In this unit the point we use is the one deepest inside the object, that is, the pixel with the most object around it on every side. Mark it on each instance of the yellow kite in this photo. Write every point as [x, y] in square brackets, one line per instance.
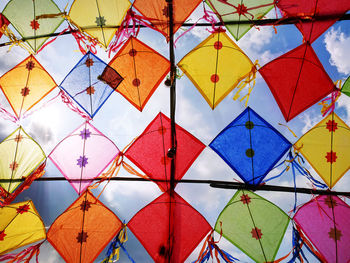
[327, 148]
[99, 18]
[20, 155]
[20, 225]
[26, 84]
[216, 67]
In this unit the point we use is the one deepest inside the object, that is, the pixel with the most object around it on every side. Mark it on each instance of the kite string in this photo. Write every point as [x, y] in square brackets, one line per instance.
[328, 104]
[71, 105]
[7, 115]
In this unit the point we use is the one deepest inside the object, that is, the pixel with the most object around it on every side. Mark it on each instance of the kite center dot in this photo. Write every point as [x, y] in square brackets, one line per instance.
[132, 52]
[218, 45]
[249, 125]
[249, 152]
[136, 82]
[214, 78]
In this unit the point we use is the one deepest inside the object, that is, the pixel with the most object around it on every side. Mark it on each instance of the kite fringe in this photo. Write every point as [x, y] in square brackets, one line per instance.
[248, 80]
[25, 255]
[328, 104]
[113, 250]
[7, 115]
[71, 105]
[211, 249]
[6, 198]
[5, 30]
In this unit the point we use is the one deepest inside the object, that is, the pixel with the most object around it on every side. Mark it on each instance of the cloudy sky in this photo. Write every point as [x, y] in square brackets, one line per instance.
[121, 122]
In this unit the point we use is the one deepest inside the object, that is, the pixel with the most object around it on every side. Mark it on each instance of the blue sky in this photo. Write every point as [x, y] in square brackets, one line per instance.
[121, 122]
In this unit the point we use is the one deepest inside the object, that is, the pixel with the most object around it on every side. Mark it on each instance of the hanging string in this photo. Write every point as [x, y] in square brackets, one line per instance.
[328, 104]
[25, 255]
[72, 106]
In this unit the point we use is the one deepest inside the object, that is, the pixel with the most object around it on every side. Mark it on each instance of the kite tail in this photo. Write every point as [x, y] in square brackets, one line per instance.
[248, 80]
[211, 249]
[6, 198]
[7, 115]
[71, 105]
[112, 254]
[328, 104]
[24, 256]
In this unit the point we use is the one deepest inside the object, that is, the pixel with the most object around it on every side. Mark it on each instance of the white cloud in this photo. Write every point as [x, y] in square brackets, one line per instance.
[344, 102]
[337, 44]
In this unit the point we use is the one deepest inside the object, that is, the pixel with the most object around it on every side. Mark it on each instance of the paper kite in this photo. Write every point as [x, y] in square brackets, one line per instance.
[346, 87]
[25, 85]
[20, 156]
[99, 19]
[250, 146]
[238, 10]
[83, 230]
[326, 147]
[325, 222]
[297, 80]
[90, 83]
[20, 225]
[142, 69]
[310, 9]
[83, 155]
[169, 228]
[253, 224]
[226, 67]
[149, 151]
[156, 11]
[25, 16]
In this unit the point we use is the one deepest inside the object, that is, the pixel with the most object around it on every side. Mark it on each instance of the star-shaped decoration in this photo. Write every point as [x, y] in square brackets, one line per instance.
[331, 157]
[89, 62]
[2, 235]
[23, 209]
[85, 205]
[34, 24]
[256, 233]
[18, 138]
[335, 234]
[85, 133]
[82, 236]
[241, 9]
[245, 199]
[30, 65]
[82, 161]
[100, 21]
[25, 91]
[13, 166]
[90, 90]
[165, 11]
[331, 125]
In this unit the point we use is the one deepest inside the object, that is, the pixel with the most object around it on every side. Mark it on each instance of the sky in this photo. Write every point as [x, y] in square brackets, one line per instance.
[121, 122]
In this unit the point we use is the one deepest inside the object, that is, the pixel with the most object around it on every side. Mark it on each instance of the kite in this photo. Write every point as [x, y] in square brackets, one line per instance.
[99, 19]
[90, 83]
[253, 224]
[149, 151]
[25, 16]
[83, 155]
[83, 230]
[20, 225]
[309, 9]
[3, 24]
[156, 11]
[250, 146]
[325, 222]
[237, 10]
[220, 73]
[25, 85]
[297, 80]
[169, 228]
[20, 156]
[142, 69]
[346, 87]
[326, 147]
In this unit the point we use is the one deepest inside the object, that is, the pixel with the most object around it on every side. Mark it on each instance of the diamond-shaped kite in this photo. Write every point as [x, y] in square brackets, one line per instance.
[326, 146]
[26, 84]
[83, 230]
[346, 87]
[250, 146]
[238, 10]
[225, 67]
[142, 69]
[253, 224]
[325, 222]
[90, 83]
[297, 80]
[149, 151]
[312, 29]
[83, 155]
[99, 19]
[169, 228]
[20, 155]
[24, 15]
[20, 225]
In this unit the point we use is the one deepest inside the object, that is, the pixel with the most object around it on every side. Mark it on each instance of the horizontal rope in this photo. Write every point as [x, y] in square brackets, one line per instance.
[212, 183]
[262, 22]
